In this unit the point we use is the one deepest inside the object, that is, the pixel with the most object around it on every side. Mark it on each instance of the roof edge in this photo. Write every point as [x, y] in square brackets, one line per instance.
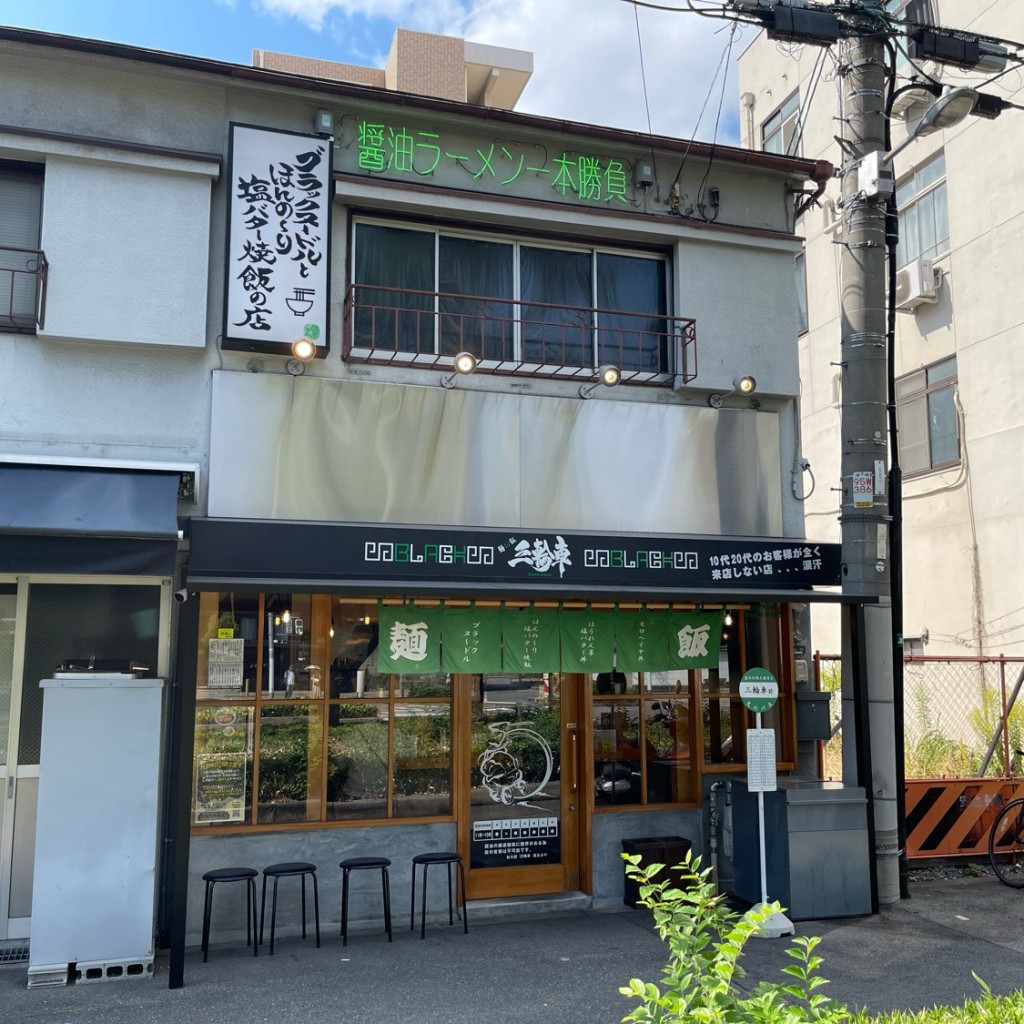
[816, 170]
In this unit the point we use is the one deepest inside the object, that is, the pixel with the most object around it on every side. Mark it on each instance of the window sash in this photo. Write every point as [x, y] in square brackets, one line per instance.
[929, 428]
[630, 288]
[923, 212]
[778, 130]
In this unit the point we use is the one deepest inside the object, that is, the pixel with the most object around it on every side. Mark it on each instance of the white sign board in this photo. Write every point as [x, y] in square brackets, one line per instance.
[863, 489]
[761, 777]
[278, 237]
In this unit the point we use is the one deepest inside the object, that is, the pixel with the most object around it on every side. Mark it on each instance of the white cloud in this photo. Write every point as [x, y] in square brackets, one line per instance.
[586, 55]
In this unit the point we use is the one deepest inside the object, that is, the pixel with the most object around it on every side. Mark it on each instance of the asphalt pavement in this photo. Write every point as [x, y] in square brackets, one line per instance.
[566, 968]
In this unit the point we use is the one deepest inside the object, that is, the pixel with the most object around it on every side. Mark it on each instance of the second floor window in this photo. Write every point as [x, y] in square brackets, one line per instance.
[928, 422]
[924, 218]
[424, 292]
[779, 131]
[21, 198]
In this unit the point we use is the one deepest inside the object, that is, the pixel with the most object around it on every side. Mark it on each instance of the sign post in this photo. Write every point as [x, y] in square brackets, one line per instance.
[759, 691]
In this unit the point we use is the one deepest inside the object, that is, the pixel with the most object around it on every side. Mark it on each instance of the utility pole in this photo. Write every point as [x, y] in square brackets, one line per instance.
[870, 514]
[865, 514]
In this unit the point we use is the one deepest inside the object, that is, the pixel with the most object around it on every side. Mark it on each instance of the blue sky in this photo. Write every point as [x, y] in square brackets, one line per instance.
[586, 52]
[205, 28]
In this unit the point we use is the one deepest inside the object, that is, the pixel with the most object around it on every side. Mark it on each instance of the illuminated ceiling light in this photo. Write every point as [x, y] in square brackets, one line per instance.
[607, 376]
[728, 618]
[286, 616]
[464, 363]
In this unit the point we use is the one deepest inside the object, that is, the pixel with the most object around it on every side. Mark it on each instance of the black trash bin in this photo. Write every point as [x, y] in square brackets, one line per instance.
[667, 850]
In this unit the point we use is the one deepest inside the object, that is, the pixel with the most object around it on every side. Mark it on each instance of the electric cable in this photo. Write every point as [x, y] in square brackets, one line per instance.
[700, 116]
[714, 136]
[643, 81]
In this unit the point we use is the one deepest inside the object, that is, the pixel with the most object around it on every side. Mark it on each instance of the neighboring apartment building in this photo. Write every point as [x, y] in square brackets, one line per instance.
[405, 608]
[959, 334]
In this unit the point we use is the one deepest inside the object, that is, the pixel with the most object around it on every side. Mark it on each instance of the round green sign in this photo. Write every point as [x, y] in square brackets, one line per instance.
[758, 689]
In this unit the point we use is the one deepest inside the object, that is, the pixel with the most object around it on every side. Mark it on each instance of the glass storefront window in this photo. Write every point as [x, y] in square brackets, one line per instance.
[229, 639]
[422, 764]
[295, 724]
[642, 747]
[222, 780]
[357, 761]
[290, 762]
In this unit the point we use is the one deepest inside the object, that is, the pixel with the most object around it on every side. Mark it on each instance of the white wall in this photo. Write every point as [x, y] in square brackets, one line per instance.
[128, 249]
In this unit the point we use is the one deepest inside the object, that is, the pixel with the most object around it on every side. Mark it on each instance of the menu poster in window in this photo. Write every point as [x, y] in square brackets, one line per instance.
[511, 842]
[225, 669]
[219, 788]
[278, 238]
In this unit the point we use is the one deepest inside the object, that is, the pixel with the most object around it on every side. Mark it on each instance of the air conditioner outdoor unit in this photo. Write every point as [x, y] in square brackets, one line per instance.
[916, 283]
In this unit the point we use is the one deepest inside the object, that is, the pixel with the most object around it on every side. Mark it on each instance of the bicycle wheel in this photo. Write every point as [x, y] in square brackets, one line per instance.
[1006, 845]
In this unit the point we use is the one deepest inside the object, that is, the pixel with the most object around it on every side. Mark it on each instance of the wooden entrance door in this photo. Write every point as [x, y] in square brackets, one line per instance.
[520, 796]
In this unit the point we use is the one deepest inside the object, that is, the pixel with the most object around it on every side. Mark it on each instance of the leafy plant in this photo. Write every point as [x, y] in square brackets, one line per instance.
[706, 940]
[932, 755]
[987, 1009]
[985, 723]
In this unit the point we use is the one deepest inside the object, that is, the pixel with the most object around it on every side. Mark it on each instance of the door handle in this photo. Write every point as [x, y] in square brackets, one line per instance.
[573, 761]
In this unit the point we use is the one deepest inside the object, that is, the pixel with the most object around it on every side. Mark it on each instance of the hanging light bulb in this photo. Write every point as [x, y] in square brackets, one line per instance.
[286, 616]
[728, 618]
[330, 632]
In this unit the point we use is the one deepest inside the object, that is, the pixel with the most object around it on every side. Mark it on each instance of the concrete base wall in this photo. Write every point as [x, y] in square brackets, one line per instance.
[325, 848]
[608, 831]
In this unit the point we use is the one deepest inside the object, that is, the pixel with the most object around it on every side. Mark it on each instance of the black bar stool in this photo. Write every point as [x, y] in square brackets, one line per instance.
[448, 859]
[365, 864]
[289, 869]
[247, 875]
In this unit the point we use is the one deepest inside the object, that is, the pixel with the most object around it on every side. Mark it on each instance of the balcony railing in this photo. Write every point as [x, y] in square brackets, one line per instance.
[22, 289]
[405, 327]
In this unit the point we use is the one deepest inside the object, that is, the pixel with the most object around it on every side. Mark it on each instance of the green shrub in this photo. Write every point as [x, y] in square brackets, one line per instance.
[706, 940]
[988, 1009]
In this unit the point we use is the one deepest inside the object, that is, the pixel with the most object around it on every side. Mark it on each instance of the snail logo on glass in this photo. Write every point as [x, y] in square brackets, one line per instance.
[502, 770]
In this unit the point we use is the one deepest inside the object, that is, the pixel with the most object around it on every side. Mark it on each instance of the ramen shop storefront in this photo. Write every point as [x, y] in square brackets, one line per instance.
[526, 699]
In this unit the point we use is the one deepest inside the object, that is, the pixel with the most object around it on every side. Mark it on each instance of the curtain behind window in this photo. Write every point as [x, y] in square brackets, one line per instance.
[631, 334]
[560, 337]
[394, 320]
[473, 276]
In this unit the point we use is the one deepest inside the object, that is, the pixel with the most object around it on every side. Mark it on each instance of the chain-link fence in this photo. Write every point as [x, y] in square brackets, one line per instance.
[962, 716]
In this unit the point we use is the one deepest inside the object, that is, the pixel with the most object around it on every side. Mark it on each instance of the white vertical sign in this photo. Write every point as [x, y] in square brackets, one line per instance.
[278, 237]
[761, 774]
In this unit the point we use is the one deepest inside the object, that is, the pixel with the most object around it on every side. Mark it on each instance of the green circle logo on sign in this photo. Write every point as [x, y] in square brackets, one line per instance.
[758, 690]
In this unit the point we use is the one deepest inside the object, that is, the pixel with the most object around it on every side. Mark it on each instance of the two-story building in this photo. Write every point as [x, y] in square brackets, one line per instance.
[480, 569]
